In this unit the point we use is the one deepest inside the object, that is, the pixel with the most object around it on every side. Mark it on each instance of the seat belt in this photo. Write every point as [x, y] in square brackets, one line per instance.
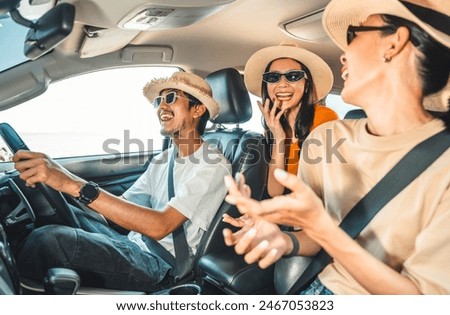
[182, 262]
[183, 259]
[404, 172]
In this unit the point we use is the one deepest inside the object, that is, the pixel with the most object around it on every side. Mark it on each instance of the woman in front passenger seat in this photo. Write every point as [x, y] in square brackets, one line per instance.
[396, 55]
[291, 82]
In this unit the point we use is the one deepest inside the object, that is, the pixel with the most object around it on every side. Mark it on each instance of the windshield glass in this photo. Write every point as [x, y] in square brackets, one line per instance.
[12, 34]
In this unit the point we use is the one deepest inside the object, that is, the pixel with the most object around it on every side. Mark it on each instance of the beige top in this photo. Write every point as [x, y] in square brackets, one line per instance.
[412, 232]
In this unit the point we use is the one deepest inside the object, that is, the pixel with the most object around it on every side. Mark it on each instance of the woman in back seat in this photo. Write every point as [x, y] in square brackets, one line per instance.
[291, 81]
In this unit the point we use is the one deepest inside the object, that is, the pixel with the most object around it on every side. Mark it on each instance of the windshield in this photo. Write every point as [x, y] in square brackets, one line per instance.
[12, 34]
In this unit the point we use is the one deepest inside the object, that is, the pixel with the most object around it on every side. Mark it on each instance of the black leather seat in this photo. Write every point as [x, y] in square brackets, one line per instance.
[247, 152]
[355, 114]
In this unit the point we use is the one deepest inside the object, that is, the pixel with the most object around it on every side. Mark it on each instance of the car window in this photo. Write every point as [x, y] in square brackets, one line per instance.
[11, 49]
[103, 112]
[335, 102]
[255, 122]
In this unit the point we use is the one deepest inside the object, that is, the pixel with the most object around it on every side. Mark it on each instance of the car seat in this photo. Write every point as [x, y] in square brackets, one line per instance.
[248, 152]
[355, 114]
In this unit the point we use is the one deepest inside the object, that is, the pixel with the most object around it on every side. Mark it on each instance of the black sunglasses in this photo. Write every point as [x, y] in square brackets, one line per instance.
[291, 76]
[351, 30]
[169, 98]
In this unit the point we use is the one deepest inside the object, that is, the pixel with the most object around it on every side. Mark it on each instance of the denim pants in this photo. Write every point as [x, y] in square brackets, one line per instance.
[316, 288]
[102, 257]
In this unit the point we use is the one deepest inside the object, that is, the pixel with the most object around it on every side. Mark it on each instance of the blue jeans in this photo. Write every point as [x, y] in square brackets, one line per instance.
[316, 288]
[103, 257]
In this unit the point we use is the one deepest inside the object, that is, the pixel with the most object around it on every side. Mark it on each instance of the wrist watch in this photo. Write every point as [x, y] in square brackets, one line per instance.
[88, 193]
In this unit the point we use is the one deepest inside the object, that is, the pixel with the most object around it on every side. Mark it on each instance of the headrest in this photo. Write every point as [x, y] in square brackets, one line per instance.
[229, 91]
[355, 114]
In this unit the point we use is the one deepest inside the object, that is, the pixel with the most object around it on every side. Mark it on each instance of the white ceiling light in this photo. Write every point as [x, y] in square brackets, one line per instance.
[147, 18]
[170, 14]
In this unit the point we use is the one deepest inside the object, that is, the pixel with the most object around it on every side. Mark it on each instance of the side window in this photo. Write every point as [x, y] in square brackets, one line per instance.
[335, 102]
[103, 112]
[255, 123]
[5, 152]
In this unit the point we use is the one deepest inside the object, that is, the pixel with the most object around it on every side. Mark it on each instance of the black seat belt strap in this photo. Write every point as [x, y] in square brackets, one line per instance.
[404, 172]
[182, 262]
[183, 259]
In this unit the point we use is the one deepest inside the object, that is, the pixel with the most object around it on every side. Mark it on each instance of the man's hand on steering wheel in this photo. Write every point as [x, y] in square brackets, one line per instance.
[35, 167]
[54, 197]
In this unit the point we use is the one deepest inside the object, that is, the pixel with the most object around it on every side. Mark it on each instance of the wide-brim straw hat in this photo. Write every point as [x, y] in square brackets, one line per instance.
[257, 64]
[433, 16]
[189, 83]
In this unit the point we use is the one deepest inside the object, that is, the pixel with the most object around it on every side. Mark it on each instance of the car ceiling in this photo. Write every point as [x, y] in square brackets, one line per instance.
[226, 37]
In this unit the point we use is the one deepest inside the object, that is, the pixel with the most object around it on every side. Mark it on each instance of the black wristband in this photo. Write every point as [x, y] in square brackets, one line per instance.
[295, 245]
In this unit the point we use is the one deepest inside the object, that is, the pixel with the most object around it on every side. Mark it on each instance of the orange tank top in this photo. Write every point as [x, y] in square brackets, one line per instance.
[322, 114]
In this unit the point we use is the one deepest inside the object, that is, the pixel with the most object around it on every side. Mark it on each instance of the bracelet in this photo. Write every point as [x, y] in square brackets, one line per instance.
[295, 245]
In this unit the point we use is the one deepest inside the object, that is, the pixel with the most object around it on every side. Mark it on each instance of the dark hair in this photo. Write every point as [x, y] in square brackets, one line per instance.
[204, 118]
[434, 62]
[305, 115]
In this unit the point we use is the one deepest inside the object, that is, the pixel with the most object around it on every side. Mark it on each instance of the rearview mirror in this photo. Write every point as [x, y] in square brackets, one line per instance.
[8, 5]
[49, 30]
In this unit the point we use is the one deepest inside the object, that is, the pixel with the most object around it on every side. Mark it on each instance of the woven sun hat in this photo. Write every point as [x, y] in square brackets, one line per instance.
[433, 16]
[187, 82]
[257, 64]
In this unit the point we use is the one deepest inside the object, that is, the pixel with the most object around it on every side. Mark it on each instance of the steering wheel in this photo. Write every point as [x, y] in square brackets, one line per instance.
[55, 198]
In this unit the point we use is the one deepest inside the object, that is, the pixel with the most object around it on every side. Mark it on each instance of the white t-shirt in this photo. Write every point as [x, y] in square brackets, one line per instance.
[199, 191]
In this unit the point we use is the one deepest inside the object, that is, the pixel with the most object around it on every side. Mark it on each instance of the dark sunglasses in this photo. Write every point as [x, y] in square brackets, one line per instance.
[351, 30]
[291, 76]
[169, 98]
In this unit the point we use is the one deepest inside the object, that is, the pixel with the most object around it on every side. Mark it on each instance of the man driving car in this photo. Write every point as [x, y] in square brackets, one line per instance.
[102, 256]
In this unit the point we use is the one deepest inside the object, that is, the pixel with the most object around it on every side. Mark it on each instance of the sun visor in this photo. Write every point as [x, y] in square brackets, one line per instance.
[21, 85]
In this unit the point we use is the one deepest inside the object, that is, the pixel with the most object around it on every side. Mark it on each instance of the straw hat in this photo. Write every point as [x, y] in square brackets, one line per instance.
[188, 83]
[257, 64]
[433, 16]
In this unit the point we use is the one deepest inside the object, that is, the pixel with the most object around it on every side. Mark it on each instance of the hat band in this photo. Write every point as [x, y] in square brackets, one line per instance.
[436, 19]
